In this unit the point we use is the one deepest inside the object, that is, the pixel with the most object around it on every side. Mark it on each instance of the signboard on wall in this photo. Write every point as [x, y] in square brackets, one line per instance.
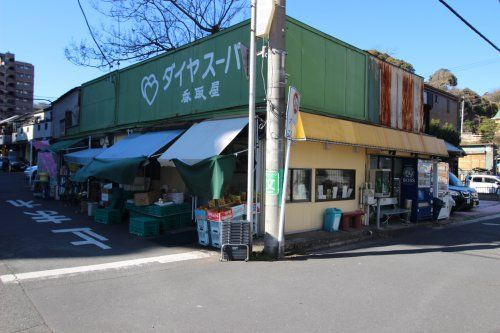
[205, 76]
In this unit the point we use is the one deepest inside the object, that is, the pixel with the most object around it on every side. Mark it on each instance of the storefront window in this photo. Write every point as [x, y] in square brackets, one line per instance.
[299, 185]
[385, 163]
[335, 184]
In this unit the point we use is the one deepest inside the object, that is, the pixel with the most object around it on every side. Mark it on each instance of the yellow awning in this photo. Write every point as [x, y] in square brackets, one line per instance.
[338, 131]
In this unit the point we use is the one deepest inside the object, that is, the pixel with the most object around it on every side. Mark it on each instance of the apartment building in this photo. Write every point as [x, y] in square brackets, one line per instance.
[16, 86]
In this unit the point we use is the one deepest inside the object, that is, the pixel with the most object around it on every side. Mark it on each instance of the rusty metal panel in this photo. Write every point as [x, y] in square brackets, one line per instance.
[418, 106]
[401, 95]
[395, 94]
[407, 102]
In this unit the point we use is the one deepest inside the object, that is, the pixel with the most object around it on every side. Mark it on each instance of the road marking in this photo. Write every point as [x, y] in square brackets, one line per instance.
[494, 224]
[22, 203]
[87, 234]
[57, 273]
[47, 216]
[458, 224]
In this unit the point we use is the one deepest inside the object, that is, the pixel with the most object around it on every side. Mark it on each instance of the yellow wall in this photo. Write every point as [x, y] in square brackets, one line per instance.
[309, 215]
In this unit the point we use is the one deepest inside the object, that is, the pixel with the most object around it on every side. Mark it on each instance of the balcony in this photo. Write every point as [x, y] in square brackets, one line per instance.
[19, 137]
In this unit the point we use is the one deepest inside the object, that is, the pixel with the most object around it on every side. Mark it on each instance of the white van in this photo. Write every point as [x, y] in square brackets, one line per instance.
[485, 183]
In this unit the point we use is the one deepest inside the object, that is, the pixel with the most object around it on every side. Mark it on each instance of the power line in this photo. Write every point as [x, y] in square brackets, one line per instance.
[480, 63]
[469, 25]
[92, 34]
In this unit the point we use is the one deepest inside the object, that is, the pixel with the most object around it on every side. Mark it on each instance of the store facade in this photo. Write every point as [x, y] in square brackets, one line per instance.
[354, 108]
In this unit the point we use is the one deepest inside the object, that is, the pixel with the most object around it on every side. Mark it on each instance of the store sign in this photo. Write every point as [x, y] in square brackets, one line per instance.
[272, 182]
[196, 78]
[409, 175]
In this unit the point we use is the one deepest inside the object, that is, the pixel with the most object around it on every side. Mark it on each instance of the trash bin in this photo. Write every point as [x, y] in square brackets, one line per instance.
[331, 219]
[437, 204]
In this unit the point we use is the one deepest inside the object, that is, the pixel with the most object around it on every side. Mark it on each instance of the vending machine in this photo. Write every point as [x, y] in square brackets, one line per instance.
[416, 185]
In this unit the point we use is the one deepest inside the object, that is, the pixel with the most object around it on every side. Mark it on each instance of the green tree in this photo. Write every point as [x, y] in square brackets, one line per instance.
[446, 132]
[443, 79]
[487, 128]
[397, 62]
[493, 96]
[470, 126]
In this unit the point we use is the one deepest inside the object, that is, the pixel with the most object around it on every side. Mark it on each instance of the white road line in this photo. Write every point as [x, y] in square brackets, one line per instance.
[56, 273]
[458, 224]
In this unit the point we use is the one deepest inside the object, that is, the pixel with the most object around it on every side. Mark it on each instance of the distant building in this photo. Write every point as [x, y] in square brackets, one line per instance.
[16, 86]
[496, 118]
[65, 112]
[480, 158]
[441, 105]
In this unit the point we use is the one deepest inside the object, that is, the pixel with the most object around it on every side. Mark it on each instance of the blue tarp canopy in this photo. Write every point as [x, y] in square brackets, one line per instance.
[119, 163]
[83, 157]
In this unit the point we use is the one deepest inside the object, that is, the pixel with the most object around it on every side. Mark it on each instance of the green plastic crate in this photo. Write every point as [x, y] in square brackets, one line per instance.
[108, 216]
[169, 223]
[185, 220]
[144, 226]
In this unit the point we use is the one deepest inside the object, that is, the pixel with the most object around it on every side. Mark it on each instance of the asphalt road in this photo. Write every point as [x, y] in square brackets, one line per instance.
[444, 279]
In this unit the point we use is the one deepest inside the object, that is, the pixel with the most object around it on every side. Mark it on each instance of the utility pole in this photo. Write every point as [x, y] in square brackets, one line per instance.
[251, 114]
[276, 82]
[462, 117]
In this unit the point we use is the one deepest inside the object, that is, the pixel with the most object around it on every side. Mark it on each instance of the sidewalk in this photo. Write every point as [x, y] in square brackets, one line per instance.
[315, 240]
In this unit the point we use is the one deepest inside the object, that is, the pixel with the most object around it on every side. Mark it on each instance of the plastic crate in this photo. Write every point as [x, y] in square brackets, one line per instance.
[108, 216]
[168, 223]
[200, 214]
[167, 209]
[215, 243]
[202, 225]
[144, 226]
[215, 227]
[184, 220]
[203, 238]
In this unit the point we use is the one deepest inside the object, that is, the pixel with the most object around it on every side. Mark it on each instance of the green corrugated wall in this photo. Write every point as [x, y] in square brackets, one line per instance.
[330, 75]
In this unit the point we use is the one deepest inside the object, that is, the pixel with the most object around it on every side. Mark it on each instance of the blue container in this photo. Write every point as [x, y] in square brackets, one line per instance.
[331, 219]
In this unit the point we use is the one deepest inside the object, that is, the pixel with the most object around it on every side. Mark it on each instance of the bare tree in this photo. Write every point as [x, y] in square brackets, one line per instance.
[132, 30]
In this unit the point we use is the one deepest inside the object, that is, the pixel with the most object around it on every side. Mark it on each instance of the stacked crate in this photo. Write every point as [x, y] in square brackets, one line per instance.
[169, 217]
[202, 227]
[144, 226]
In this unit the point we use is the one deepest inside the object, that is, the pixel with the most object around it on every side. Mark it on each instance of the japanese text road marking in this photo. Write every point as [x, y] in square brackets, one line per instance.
[88, 235]
[22, 203]
[47, 216]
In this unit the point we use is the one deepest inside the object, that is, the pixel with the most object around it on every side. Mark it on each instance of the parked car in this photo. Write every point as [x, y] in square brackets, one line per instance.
[465, 197]
[31, 172]
[485, 183]
[14, 163]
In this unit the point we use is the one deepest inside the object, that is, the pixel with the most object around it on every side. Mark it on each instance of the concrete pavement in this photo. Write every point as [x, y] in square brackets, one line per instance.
[435, 279]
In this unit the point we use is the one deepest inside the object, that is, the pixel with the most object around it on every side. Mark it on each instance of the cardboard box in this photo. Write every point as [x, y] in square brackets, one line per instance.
[146, 198]
[140, 184]
[200, 214]
[219, 215]
[105, 197]
[238, 210]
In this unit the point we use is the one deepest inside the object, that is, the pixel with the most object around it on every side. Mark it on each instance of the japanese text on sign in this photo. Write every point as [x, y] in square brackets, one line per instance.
[206, 68]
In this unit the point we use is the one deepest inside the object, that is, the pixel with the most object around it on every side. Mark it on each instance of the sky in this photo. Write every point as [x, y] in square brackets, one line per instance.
[422, 32]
